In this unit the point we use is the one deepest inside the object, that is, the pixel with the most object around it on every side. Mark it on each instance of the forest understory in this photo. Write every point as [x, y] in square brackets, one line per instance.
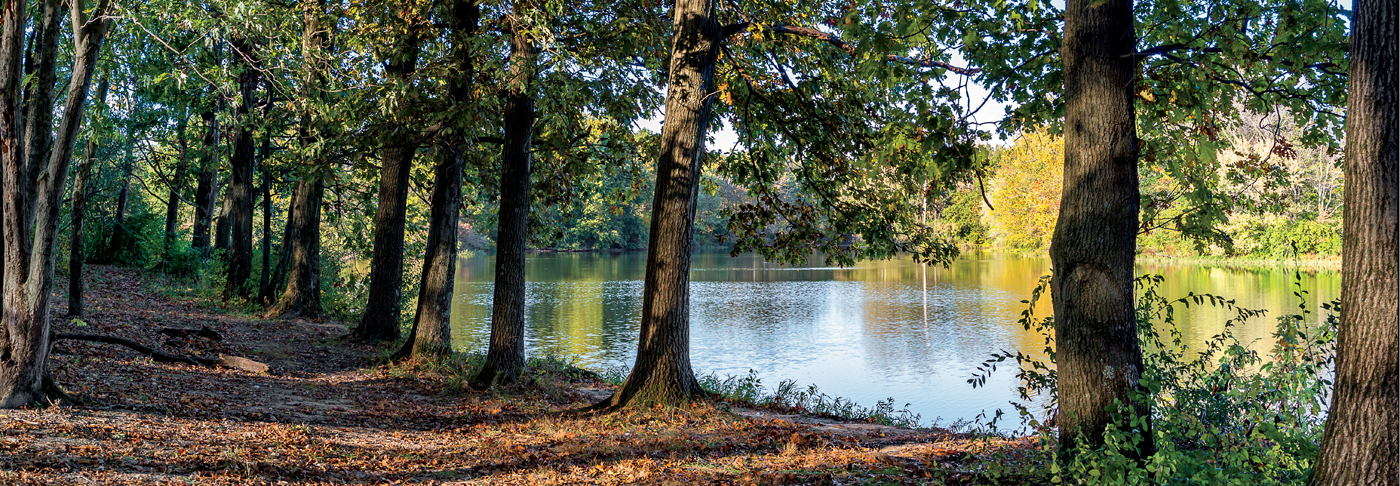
[328, 412]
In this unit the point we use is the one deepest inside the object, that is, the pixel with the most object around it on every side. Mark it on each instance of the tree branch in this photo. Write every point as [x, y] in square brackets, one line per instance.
[736, 28]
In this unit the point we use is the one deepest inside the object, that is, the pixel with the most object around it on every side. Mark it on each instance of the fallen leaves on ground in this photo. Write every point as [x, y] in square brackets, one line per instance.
[325, 415]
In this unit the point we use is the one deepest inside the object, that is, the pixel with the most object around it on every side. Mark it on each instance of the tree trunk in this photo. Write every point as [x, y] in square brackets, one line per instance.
[302, 241]
[29, 257]
[80, 198]
[432, 321]
[269, 292]
[118, 239]
[1361, 444]
[264, 276]
[240, 186]
[1097, 353]
[38, 110]
[221, 223]
[23, 327]
[662, 372]
[207, 188]
[302, 298]
[172, 203]
[381, 319]
[505, 356]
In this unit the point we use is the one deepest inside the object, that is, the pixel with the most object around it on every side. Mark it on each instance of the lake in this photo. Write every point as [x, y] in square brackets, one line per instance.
[880, 329]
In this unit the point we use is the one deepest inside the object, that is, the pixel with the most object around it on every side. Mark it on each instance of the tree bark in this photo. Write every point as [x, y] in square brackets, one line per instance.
[207, 188]
[302, 241]
[29, 257]
[23, 327]
[432, 321]
[80, 198]
[239, 216]
[1098, 358]
[221, 223]
[381, 319]
[302, 298]
[38, 110]
[265, 275]
[1361, 444]
[275, 283]
[172, 203]
[662, 373]
[118, 239]
[505, 356]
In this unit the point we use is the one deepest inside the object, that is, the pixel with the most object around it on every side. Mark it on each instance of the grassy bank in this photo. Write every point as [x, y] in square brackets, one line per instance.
[1307, 263]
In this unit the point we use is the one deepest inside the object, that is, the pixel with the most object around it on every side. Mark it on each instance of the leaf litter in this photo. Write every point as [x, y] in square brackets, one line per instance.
[326, 414]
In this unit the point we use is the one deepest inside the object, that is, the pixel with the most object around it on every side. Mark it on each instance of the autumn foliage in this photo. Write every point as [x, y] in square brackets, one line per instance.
[1027, 191]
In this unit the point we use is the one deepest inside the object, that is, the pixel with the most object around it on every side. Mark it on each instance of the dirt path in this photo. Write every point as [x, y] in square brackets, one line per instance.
[325, 415]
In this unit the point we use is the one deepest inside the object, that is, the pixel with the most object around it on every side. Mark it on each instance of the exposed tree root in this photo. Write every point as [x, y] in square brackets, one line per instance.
[159, 357]
[55, 395]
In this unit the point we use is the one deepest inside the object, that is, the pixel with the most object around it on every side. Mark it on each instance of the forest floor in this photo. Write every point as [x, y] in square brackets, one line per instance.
[326, 413]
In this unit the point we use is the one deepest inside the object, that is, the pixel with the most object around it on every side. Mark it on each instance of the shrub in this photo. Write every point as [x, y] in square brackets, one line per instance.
[788, 396]
[965, 217]
[1279, 238]
[181, 260]
[1220, 415]
[135, 242]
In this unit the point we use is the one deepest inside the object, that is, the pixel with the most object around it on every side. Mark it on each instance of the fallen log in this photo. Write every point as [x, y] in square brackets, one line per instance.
[226, 361]
[244, 364]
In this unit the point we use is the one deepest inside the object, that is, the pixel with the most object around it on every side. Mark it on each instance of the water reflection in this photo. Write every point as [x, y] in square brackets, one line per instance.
[880, 329]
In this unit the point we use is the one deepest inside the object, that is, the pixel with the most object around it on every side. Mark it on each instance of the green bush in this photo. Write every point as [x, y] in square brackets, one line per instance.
[965, 217]
[135, 242]
[1221, 414]
[181, 260]
[1281, 239]
[344, 289]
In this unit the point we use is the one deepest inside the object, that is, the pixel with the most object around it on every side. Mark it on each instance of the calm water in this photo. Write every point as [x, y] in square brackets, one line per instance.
[880, 329]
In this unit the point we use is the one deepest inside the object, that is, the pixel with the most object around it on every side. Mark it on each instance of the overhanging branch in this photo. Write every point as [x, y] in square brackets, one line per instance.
[836, 41]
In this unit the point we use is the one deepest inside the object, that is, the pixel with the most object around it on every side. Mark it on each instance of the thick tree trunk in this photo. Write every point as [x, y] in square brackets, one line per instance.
[23, 326]
[80, 198]
[432, 321]
[302, 241]
[381, 319]
[240, 186]
[302, 298]
[207, 188]
[662, 372]
[29, 257]
[1361, 444]
[505, 356]
[1097, 352]
[38, 110]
